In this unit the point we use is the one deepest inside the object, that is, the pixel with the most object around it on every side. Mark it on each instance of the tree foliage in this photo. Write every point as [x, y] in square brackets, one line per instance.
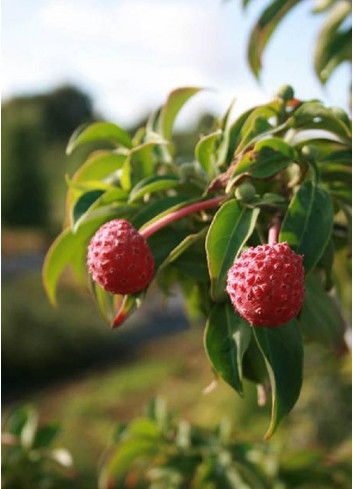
[296, 154]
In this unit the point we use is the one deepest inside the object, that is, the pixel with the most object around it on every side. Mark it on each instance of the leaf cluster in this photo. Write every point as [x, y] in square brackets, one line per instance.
[162, 451]
[30, 457]
[296, 156]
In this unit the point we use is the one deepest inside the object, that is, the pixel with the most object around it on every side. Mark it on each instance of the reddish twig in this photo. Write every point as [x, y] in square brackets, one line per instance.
[184, 211]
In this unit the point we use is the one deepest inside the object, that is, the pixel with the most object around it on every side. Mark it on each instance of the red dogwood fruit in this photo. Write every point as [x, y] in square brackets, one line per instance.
[266, 284]
[120, 259]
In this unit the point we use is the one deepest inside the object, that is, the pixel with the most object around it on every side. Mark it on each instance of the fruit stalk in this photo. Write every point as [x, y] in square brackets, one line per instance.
[273, 233]
[184, 211]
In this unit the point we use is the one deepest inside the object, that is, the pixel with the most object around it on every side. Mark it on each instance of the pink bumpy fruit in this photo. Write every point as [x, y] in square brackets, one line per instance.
[266, 284]
[119, 258]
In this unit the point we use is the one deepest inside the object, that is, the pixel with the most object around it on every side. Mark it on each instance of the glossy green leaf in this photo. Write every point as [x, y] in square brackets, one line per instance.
[313, 115]
[153, 184]
[171, 108]
[140, 163]
[264, 29]
[266, 159]
[192, 263]
[105, 301]
[223, 145]
[227, 337]
[334, 43]
[99, 131]
[235, 133]
[259, 123]
[99, 165]
[282, 349]
[163, 242]
[269, 199]
[308, 223]
[254, 366]
[320, 317]
[84, 203]
[205, 152]
[184, 245]
[231, 227]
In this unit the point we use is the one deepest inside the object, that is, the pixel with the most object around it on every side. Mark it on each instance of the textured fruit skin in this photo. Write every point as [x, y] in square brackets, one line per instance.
[119, 258]
[266, 284]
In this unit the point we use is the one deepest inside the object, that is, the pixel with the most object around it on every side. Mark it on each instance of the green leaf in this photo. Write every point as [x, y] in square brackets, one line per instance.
[334, 44]
[171, 108]
[313, 115]
[140, 163]
[266, 159]
[269, 199]
[205, 153]
[46, 435]
[235, 133]
[184, 245]
[99, 165]
[227, 337]
[320, 317]
[163, 242]
[18, 419]
[229, 231]
[282, 349]
[264, 29]
[99, 131]
[307, 225]
[144, 427]
[83, 204]
[124, 456]
[254, 367]
[258, 125]
[224, 125]
[153, 184]
[106, 302]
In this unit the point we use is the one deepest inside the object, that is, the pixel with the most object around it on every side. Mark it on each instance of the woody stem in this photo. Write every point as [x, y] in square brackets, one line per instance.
[184, 211]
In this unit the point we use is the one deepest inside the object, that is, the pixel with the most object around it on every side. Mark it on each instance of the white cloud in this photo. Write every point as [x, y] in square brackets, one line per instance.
[130, 53]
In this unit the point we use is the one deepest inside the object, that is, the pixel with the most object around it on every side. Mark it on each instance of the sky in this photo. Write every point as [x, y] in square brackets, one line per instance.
[129, 54]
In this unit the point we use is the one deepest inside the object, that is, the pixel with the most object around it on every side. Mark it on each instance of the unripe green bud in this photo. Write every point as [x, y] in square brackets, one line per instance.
[309, 152]
[285, 92]
[245, 192]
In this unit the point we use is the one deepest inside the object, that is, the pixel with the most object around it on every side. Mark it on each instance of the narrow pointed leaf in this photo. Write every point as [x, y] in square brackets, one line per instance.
[231, 227]
[171, 108]
[99, 131]
[282, 349]
[320, 317]
[153, 184]
[227, 337]
[266, 159]
[308, 223]
[334, 44]
[264, 29]
[205, 153]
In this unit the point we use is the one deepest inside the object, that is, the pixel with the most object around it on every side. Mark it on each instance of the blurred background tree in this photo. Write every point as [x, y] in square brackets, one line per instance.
[35, 130]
